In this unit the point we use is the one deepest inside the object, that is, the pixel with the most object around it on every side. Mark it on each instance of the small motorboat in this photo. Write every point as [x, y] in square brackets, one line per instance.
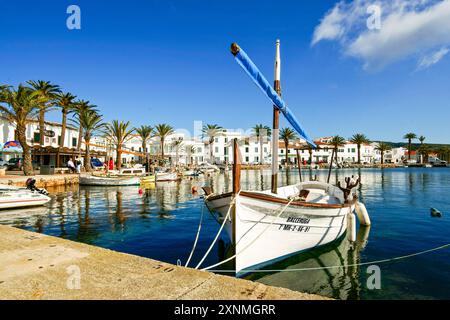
[191, 173]
[109, 180]
[14, 197]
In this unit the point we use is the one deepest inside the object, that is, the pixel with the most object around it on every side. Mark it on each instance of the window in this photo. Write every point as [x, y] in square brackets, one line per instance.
[140, 149]
[216, 140]
[37, 137]
[74, 142]
[282, 150]
[265, 149]
[132, 148]
[256, 159]
[216, 149]
[256, 149]
[353, 150]
[59, 140]
[246, 149]
[226, 140]
[199, 150]
[247, 159]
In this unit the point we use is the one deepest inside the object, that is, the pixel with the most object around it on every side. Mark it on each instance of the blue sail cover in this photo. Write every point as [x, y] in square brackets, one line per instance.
[258, 78]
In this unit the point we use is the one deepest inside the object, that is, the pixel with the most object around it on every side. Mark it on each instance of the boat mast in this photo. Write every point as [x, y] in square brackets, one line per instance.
[276, 120]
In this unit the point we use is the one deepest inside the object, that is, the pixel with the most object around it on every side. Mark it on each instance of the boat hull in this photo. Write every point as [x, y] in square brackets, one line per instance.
[262, 237]
[20, 198]
[108, 181]
[161, 177]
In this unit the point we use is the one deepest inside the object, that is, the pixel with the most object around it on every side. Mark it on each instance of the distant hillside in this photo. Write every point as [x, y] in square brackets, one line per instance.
[415, 145]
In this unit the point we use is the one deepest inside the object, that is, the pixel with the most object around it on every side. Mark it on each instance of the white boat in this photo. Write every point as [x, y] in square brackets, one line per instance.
[317, 216]
[191, 173]
[91, 180]
[13, 197]
[166, 176]
[272, 225]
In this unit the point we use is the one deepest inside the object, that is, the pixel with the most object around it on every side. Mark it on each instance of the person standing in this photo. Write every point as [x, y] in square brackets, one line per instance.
[71, 166]
[111, 164]
[78, 164]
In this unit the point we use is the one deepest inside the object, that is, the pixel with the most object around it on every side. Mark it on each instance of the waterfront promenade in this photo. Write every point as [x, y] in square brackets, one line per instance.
[37, 266]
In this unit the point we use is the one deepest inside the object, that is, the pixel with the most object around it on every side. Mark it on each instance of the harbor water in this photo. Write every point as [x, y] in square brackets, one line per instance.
[162, 221]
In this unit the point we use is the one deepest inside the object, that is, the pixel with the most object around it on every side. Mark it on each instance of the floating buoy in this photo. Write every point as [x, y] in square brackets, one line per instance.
[363, 215]
[351, 229]
[140, 191]
[435, 213]
[194, 189]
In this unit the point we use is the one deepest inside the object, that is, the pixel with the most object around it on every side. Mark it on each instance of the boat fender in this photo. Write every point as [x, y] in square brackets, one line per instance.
[363, 215]
[435, 213]
[351, 230]
[140, 191]
[194, 190]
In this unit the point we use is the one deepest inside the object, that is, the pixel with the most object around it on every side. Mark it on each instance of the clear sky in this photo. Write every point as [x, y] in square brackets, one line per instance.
[169, 62]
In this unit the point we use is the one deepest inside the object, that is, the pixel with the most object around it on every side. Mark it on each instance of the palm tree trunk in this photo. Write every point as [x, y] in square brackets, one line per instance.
[359, 154]
[409, 149]
[287, 158]
[261, 154]
[80, 138]
[87, 158]
[41, 126]
[382, 157]
[27, 165]
[211, 147]
[119, 157]
[63, 128]
[162, 149]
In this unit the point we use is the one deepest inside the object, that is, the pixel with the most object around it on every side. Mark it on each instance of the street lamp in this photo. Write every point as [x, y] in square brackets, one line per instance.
[299, 164]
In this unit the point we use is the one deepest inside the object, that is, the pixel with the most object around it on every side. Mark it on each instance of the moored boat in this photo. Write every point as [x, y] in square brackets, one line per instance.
[166, 176]
[271, 225]
[13, 197]
[105, 180]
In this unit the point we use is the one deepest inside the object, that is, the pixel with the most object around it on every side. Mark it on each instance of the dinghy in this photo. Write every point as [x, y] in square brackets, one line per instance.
[271, 225]
[109, 180]
[14, 197]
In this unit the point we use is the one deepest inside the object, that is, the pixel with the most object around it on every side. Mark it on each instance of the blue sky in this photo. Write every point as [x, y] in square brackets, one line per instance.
[168, 62]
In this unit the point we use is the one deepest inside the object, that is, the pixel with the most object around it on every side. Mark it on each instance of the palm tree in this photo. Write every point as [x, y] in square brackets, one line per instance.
[211, 131]
[162, 131]
[424, 150]
[66, 101]
[119, 132]
[287, 135]
[80, 107]
[409, 136]
[421, 139]
[90, 122]
[145, 133]
[383, 147]
[261, 132]
[178, 146]
[190, 151]
[47, 92]
[21, 107]
[336, 142]
[359, 139]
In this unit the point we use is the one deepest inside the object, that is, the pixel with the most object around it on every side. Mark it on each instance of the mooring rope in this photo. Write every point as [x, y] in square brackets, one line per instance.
[347, 265]
[219, 232]
[253, 241]
[196, 237]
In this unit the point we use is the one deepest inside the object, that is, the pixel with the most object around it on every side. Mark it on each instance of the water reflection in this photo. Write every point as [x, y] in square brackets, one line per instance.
[341, 281]
[161, 222]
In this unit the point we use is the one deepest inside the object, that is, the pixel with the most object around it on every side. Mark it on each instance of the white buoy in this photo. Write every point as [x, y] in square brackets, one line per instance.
[362, 213]
[351, 229]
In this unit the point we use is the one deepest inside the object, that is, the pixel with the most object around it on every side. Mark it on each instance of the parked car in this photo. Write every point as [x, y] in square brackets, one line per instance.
[3, 163]
[15, 164]
[96, 163]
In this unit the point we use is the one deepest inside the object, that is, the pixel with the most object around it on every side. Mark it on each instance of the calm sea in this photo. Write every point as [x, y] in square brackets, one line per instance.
[161, 223]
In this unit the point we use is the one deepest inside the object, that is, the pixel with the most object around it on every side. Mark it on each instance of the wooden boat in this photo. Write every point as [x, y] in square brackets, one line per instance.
[108, 180]
[166, 176]
[271, 225]
[12, 198]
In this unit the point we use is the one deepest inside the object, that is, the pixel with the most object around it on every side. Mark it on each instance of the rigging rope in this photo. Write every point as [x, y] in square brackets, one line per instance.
[196, 238]
[347, 265]
[220, 230]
